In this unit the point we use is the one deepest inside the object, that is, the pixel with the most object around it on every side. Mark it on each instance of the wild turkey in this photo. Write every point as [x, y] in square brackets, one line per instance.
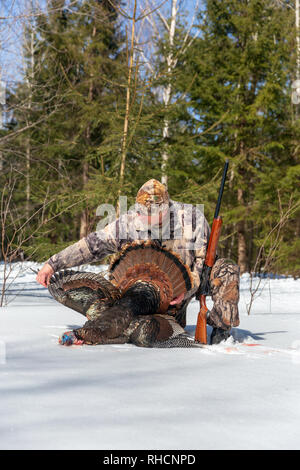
[130, 307]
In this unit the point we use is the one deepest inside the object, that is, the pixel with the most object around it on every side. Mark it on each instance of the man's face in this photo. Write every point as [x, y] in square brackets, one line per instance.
[154, 214]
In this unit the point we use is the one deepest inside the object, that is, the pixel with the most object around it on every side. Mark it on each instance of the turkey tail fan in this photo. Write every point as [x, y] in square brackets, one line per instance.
[149, 262]
[80, 290]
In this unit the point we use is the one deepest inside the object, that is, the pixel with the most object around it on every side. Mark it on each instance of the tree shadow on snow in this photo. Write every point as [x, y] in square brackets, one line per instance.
[238, 334]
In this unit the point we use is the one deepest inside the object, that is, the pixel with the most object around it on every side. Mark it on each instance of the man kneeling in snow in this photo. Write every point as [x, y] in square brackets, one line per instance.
[178, 227]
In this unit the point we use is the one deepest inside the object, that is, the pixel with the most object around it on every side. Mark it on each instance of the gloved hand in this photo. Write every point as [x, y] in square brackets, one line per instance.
[69, 338]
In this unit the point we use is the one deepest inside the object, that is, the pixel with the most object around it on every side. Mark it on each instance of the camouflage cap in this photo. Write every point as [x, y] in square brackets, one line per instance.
[152, 192]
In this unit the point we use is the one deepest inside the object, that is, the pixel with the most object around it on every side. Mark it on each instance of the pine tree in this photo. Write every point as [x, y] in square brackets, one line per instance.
[76, 87]
[240, 70]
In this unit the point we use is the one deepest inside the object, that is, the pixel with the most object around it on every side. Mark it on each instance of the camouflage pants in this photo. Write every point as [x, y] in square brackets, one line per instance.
[224, 282]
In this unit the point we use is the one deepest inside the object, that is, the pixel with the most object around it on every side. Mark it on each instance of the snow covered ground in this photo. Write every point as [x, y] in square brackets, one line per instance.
[242, 394]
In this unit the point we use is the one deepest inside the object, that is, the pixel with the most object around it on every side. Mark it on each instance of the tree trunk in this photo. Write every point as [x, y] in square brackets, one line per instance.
[165, 154]
[84, 219]
[84, 216]
[127, 109]
[27, 207]
[31, 51]
[242, 245]
[297, 24]
[167, 93]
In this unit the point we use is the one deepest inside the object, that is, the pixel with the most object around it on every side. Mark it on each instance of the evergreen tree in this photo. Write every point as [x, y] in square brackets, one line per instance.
[230, 98]
[78, 70]
[240, 70]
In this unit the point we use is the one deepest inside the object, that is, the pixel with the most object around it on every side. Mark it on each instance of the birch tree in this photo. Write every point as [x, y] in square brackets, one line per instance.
[296, 93]
[130, 54]
[163, 23]
[138, 83]
[29, 54]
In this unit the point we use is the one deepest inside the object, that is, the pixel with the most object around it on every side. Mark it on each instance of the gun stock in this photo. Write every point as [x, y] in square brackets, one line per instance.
[201, 328]
[213, 242]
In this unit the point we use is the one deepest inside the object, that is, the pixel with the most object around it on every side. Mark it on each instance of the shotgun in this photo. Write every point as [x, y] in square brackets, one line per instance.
[210, 258]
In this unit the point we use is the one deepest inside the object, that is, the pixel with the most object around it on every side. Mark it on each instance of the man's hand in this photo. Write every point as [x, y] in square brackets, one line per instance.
[44, 275]
[177, 300]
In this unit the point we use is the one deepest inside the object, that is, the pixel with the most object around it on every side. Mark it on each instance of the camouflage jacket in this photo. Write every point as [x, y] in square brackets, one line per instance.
[184, 231]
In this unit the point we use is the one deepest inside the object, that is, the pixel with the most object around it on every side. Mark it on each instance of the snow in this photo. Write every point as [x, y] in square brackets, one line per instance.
[241, 394]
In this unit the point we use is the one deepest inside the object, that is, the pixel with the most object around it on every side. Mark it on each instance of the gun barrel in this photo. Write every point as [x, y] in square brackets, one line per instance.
[221, 189]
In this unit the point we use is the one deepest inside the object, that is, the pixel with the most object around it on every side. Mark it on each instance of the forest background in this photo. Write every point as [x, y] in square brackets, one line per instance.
[99, 96]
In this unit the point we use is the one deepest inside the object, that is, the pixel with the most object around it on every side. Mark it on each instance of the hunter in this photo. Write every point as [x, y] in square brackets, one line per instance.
[176, 226]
